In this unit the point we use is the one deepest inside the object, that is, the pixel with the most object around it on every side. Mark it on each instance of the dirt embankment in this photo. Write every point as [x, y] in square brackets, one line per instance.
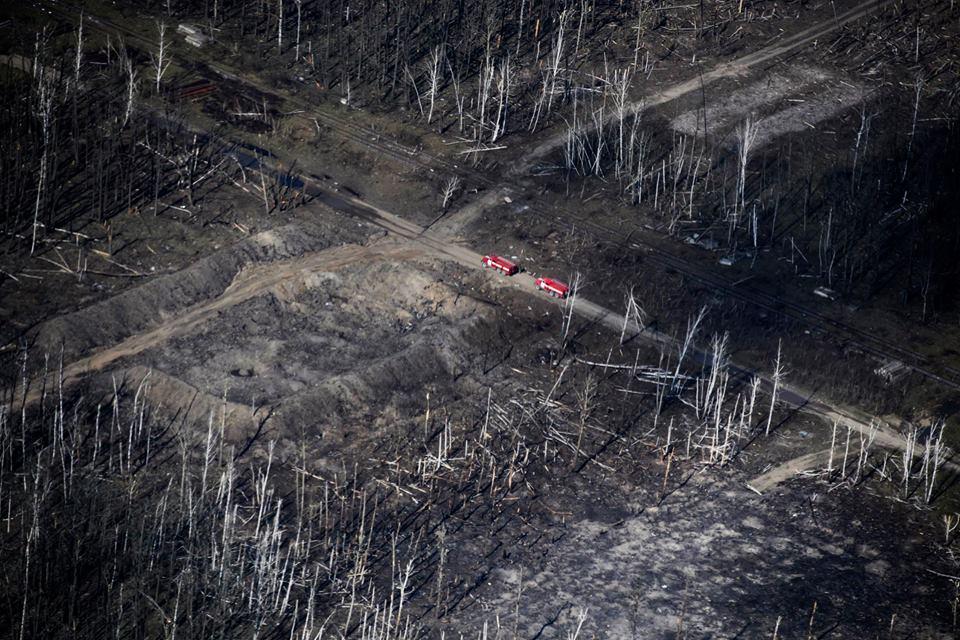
[151, 304]
[340, 347]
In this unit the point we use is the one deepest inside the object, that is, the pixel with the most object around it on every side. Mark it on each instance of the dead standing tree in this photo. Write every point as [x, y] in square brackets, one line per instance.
[778, 374]
[450, 190]
[634, 316]
[433, 78]
[585, 404]
[504, 81]
[746, 136]
[296, 50]
[160, 59]
[44, 113]
[569, 305]
[132, 83]
[279, 27]
[78, 60]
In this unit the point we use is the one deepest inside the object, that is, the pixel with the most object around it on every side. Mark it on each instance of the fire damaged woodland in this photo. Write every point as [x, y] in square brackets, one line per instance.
[520, 319]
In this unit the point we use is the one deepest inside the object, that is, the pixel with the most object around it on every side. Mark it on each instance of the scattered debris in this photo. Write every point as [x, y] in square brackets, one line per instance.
[701, 240]
[892, 370]
[827, 293]
[193, 35]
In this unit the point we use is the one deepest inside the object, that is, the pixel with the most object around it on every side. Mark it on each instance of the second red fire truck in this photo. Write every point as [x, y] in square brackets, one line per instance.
[553, 287]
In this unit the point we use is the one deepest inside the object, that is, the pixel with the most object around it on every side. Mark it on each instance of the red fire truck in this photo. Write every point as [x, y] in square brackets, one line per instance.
[553, 287]
[500, 264]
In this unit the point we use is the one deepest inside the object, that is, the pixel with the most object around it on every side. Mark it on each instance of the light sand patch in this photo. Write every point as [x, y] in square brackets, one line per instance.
[733, 107]
[783, 102]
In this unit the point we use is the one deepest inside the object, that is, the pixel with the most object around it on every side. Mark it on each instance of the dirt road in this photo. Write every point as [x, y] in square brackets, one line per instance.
[262, 279]
[795, 398]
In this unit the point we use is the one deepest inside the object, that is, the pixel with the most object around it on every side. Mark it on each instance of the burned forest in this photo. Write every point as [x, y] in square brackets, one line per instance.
[487, 320]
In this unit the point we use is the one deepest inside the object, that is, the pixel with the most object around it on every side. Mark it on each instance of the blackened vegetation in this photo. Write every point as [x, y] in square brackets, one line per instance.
[882, 221]
[862, 201]
[77, 148]
[135, 523]
[479, 70]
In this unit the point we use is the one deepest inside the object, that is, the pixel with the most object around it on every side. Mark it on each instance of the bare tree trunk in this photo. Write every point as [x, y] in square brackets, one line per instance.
[296, 54]
[585, 402]
[558, 55]
[131, 91]
[503, 101]
[485, 80]
[458, 96]
[279, 27]
[433, 75]
[746, 135]
[449, 191]
[918, 89]
[520, 26]
[45, 112]
[79, 57]
[777, 374]
[160, 61]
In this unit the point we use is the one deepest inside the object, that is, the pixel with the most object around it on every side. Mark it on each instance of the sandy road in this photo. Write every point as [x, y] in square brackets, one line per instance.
[886, 435]
[729, 69]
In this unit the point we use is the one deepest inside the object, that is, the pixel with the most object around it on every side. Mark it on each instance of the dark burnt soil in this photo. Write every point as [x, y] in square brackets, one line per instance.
[714, 560]
[817, 361]
[697, 554]
[365, 364]
[895, 243]
[557, 536]
[700, 554]
[357, 343]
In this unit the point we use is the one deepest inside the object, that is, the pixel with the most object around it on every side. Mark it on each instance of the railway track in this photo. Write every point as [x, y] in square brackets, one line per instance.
[634, 238]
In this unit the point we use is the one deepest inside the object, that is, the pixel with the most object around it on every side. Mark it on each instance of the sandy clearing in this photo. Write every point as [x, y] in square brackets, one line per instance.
[814, 94]
[725, 70]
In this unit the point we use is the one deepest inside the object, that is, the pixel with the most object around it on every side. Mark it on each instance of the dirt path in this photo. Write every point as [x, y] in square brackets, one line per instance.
[725, 70]
[795, 398]
[452, 223]
[789, 469]
[260, 279]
